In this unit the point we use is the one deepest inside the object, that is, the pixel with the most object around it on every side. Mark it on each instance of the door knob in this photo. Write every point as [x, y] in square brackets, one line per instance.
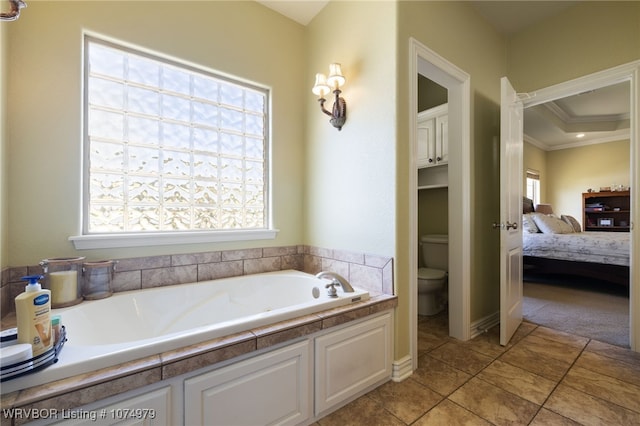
[509, 225]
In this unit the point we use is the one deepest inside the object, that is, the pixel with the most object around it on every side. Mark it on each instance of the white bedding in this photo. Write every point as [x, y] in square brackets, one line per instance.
[610, 248]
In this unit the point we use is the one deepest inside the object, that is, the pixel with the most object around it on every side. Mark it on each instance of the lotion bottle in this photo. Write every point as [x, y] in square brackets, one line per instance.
[33, 315]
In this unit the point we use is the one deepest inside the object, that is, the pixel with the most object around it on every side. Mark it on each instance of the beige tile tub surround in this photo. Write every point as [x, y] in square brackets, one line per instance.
[90, 387]
[371, 272]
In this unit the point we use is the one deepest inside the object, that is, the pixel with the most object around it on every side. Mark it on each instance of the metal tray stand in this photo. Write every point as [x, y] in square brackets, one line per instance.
[35, 364]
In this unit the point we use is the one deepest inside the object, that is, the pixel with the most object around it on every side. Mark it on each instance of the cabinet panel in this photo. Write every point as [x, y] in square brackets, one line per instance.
[426, 146]
[149, 409]
[433, 137]
[352, 359]
[273, 388]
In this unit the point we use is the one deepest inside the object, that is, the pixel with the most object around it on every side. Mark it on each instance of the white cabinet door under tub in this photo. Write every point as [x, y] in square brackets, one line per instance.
[273, 388]
[351, 360]
[433, 139]
[147, 409]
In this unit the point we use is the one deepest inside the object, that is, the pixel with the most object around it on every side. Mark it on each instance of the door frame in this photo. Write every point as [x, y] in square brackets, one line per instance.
[627, 72]
[425, 61]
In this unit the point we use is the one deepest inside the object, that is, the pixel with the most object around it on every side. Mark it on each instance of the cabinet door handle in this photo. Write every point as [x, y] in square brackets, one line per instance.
[438, 158]
[431, 160]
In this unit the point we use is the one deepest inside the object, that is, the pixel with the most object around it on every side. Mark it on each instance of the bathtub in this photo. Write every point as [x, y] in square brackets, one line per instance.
[135, 324]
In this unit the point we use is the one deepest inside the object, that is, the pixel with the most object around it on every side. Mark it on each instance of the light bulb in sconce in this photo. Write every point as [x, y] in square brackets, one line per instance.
[323, 85]
[335, 79]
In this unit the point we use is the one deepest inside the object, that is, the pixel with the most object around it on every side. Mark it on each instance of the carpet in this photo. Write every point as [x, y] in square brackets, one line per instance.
[587, 308]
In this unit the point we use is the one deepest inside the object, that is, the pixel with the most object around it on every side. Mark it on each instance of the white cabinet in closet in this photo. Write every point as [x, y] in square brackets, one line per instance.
[433, 149]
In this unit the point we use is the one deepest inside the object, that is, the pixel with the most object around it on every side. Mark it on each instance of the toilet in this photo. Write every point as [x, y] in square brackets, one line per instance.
[432, 279]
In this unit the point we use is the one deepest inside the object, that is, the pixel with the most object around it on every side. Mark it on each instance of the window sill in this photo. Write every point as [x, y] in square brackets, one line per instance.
[101, 241]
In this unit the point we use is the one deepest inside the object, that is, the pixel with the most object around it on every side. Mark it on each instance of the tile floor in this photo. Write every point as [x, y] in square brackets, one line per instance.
[543, 377]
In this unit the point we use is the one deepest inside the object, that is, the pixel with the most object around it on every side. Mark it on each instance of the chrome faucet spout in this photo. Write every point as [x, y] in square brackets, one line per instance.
[337, 280]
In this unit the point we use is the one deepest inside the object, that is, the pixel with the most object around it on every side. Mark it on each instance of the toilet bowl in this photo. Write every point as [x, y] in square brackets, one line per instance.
[433, 278]
[431, 284]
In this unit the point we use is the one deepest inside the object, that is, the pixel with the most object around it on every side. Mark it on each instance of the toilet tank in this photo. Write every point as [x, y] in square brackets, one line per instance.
[435, 251]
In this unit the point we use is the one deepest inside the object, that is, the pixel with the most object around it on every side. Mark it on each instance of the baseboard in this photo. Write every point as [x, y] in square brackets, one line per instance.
[401, 369]
[483, 324]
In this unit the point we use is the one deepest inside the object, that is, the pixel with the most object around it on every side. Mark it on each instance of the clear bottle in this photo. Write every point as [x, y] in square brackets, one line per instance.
[33, 315]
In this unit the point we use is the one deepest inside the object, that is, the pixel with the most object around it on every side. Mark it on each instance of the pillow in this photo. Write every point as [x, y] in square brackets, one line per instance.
[573, 222]
[552, 225]
[528, 225]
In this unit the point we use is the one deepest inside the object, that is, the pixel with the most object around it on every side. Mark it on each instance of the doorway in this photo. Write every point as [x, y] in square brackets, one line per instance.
[628, 72]
[580, 142]
[432, 66]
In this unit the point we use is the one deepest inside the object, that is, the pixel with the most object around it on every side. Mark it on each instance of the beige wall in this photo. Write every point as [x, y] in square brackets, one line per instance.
[243, 39]
[565, 174]
[571, 172]
[350, 193]
[588, 37]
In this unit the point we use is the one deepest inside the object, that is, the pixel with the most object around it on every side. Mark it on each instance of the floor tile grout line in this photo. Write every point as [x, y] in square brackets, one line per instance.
[498, 358]
[597, 372]
[558, 384]
[603, 354]
[475, 375]
[446, 340]
[612, 359]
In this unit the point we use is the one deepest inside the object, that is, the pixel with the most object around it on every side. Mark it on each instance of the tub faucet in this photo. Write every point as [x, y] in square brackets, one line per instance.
[335, 280]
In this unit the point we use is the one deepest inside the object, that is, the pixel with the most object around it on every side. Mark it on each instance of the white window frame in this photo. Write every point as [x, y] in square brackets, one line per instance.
[534, 176]
[134, 239]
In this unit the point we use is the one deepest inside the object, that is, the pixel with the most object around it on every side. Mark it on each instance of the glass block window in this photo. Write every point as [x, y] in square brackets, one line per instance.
[170, 147]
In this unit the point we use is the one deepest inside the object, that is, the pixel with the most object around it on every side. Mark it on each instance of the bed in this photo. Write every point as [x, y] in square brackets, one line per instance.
[557, 245]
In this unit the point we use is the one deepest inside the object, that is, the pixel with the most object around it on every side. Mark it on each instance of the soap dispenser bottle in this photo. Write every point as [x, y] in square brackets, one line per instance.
[33, 315]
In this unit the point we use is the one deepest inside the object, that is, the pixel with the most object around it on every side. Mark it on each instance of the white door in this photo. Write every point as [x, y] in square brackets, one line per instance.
[511, 130]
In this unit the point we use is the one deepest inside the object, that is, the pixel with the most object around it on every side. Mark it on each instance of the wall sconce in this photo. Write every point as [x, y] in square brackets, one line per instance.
[14, 12]
[325, 85]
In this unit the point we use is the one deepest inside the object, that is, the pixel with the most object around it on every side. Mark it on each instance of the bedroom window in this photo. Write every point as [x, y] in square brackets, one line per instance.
[533, 186]
[171, 148]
